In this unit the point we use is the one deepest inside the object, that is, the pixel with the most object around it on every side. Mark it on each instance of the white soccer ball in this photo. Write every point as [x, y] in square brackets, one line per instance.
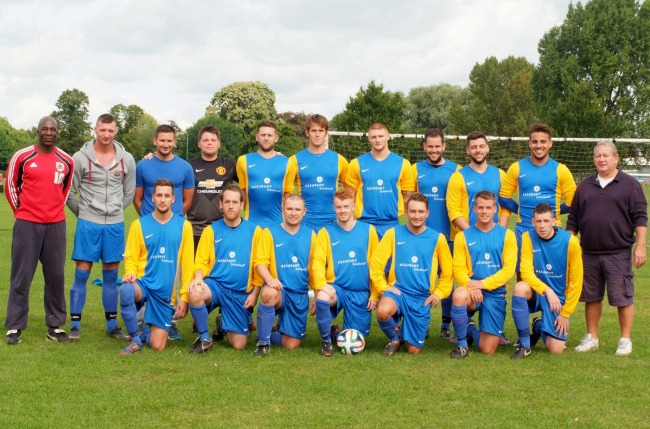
[350, 342]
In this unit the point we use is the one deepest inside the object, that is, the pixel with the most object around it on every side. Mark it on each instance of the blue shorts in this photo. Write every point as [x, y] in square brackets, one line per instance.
[159, 310]
[292, 315]
[354, 304]
[235, 316]
[519, 231]
[492, 313]
[94, 242]
[540, 303]
[415, 317]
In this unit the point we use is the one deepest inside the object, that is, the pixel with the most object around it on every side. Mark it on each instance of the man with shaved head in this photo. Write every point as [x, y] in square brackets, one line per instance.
[38, 182]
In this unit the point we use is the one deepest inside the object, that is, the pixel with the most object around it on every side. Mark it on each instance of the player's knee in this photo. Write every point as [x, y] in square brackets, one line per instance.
[291, 344]
[127, 294]
[460, 296]
[195, 297]
[556, 347]
[269, 295]
[521, 289]
[383, 312]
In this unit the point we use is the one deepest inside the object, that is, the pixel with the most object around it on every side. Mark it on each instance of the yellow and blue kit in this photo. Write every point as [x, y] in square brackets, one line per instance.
[432, 181]
[264, 180]
[463, 187]
[316, 177]
[379, 186]
[341, 260]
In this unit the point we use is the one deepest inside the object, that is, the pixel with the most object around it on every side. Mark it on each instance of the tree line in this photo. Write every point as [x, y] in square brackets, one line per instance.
[592, 80]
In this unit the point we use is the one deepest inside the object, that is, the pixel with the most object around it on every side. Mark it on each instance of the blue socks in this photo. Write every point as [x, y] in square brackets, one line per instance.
[459, 319]
[128, 309]
[265, 317]
[200, 316]
[474, 333]
[109, 298]
[388, 327]
[520, 315]
[78, 296]
[276, 338]
[324, 319]
[445, 304]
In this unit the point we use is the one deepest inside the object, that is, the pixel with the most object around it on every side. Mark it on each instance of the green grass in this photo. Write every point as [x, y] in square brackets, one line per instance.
[87, 384]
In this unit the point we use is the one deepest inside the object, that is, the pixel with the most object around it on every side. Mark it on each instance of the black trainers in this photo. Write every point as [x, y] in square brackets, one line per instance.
[116, 333]
[326, 349]
[469, 338]
[201, 346]
[521, 352]
[75, 334]
[534, 338]
[13, 337]
[392, 347]
[57, 335]
[218, 334]
[445, 334]
[262, 350]
[459, 353]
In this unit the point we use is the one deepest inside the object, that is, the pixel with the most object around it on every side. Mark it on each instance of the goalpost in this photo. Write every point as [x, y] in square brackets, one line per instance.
[576, 153]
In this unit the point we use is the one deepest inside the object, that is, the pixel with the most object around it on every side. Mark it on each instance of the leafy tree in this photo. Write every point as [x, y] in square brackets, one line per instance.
[297, 121]
[593, 79]
[429, 106]
[289, 142]
[370, 105]
[232, 140]
[127, 118]
[71, 115]
[140, 139]
[501, 102]
[244, 104]
[11, 140]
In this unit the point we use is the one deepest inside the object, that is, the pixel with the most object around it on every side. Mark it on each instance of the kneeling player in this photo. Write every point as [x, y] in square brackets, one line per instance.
[340, 271]
[416, 252]
[164, 242]
[551, 271]
[224, 254]
[485, 256]
[283, 258]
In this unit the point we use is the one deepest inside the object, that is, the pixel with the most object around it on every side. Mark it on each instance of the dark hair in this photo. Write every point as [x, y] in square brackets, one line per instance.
[165, 129]
[163, 182]
[233, 188]
[210, 129]
[417, 196]
[475, 135]
[540, 128]
[269, 124]
[542, 208]
[319, 120]
[433, 132]
[486, 195]
[106, 118]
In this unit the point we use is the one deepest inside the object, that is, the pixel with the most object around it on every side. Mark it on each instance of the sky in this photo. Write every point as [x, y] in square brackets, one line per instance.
[170, 57]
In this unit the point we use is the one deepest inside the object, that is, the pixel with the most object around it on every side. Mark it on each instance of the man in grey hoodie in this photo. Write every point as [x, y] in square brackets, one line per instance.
[104, 180]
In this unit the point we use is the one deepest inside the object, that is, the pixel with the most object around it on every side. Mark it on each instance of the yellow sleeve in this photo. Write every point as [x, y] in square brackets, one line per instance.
[511, 182]
[406, 179]
[353, 180]
[255, 279]
[527, 267]
[461, 261]
[312, 248]
[385, 250]
[504, 179]
[186, 256]
[265, 254]
[205, 253]
[567, 187]
[242, 177]
[135, 252]
[291, 176]
[321, 265]
[373, 241]
[508, 261]
[445, 264]
[574, 277]
[457, 199]
[343, 169]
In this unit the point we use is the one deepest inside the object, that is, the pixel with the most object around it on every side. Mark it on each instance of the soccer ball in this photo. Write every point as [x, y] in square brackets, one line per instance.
[350, 342]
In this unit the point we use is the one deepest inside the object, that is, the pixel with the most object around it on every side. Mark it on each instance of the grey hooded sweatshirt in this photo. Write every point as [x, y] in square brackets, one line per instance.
[104, 191]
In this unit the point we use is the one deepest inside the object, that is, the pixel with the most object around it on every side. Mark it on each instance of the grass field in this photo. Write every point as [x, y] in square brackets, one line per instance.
[87, 384]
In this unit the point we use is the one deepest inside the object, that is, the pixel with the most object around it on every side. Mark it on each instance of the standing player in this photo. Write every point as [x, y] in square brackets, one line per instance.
[431, 179]
[211, 173]
[163, 164]
[341, 273]
[264, 177]
[283, 259]
[610, 212]
[224, 275]
[551, 269]
[416, 254]
[317, 172]
[104, 177]
[485, 256]
[380, 180]
[159, 244]
[538, 179]
[38, 181]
